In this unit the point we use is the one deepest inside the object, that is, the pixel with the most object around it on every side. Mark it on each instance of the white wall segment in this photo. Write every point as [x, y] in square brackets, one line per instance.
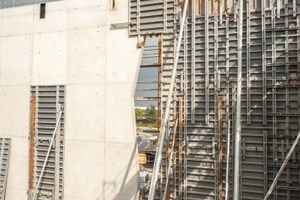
[73, 46]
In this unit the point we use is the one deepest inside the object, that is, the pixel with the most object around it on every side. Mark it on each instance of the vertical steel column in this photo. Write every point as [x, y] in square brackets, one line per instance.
[159, 72]
[179, 147]
[216, 106]
[238, 107]
[167, 112]
[248, 66]
[227, 67]
[274, 102]
[234, 98]
[57, 147]
[36, 136]
[175, 117]
[206, 64]
[264, 89]
[298, 69]
[227, 160]
[265, 161]
[193, 39]
[287, 101]
[185, 104]
[221, 150]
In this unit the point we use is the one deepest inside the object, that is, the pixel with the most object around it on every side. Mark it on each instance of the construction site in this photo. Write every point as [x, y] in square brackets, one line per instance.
[226, 99]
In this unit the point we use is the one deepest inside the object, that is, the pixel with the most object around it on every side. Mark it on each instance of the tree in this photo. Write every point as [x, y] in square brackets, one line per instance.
[139, 112]
[151, 111]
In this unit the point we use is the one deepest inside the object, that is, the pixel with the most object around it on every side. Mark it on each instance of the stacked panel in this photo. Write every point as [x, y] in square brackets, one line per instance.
[48, 101]
[151, 17]
[270, 102]
[4, 164]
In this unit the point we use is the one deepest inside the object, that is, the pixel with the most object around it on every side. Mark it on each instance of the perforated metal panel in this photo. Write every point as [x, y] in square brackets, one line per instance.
[4, 164]
[48, 99]
[270, 102]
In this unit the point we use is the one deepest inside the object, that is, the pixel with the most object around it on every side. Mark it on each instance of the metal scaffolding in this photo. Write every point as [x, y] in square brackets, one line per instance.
[250, 58]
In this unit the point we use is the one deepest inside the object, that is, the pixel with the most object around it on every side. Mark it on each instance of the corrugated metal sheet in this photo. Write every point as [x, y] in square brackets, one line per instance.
[4, 164]
[48, 99]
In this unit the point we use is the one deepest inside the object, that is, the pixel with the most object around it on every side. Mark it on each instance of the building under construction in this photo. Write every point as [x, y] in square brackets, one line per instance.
[229, 91]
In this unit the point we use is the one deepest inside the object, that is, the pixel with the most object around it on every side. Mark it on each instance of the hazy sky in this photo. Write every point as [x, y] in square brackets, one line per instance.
[148, 74]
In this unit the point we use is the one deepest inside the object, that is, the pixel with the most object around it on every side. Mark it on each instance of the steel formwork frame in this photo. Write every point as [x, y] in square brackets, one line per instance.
[270, 102]
[5, 144]
[48, 100]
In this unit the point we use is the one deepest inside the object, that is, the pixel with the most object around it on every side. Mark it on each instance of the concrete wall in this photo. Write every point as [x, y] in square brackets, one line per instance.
[73, 46]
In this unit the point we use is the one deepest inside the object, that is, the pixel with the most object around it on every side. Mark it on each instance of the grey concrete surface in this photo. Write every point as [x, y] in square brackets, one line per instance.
[73, 46]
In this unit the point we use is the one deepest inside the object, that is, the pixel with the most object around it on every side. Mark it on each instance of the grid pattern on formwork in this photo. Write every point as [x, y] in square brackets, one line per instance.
[151, 16]
[48, 99]
[4, 161]
[270, 102]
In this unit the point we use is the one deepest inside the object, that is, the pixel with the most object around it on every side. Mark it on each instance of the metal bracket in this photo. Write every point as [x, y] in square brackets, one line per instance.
[121, 25]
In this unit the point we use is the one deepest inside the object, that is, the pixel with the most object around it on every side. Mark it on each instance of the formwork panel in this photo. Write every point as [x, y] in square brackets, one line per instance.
[270, 97]
[47, 101]
[5, 144]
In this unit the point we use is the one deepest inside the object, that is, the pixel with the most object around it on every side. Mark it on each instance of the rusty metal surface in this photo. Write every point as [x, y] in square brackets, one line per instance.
[32, 142]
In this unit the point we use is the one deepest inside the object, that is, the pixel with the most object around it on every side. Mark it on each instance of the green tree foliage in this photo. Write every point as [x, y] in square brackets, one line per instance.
[138, 113]
[150, 111]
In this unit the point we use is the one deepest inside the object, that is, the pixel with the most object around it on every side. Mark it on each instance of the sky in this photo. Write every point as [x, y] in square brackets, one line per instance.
[148, 74]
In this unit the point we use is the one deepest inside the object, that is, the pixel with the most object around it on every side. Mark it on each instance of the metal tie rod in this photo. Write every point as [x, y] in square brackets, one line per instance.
[46, 159]
[158, 156]
[282, 167]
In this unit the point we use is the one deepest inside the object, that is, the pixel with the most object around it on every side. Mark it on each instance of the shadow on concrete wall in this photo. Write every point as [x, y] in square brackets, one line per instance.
[129, 189]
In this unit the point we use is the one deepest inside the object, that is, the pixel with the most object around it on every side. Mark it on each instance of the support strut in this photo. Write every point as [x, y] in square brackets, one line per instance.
[158, 156]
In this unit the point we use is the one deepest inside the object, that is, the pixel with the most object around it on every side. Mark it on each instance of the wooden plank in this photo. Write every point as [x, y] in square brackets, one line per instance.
[142, 158]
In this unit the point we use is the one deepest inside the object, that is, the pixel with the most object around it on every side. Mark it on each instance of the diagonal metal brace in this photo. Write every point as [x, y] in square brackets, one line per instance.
[282, 167]
[50, 146]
